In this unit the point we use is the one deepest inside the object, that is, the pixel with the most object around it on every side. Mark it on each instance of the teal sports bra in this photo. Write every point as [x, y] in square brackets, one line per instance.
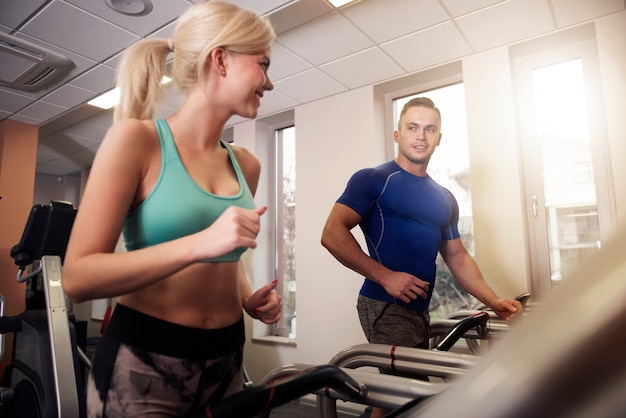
[177, 206]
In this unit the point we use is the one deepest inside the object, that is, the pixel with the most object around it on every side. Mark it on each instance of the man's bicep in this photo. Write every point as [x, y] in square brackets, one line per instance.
[451, 248]
[344, 215]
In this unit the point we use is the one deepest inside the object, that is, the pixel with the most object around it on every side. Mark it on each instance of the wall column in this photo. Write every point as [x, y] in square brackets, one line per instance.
[18, 158]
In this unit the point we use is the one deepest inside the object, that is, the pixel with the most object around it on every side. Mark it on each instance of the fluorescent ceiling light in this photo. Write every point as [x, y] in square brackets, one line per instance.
[106, 100]
[339, 3]
[112, 97]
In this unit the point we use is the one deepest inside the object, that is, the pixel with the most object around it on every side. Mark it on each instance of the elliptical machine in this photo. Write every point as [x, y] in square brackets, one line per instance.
[44, 379]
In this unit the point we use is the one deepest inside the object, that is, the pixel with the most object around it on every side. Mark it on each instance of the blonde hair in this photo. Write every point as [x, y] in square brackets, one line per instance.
[202, 28]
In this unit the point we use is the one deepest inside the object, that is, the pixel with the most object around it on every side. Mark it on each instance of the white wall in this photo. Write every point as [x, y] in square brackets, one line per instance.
[334, 137]
[50, 187]
[495, 172]
[611, 36]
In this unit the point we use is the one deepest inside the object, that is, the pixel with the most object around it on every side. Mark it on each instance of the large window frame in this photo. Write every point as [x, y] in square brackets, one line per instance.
[284, 221]
[420, 85]
[269, 263]
[578, 43]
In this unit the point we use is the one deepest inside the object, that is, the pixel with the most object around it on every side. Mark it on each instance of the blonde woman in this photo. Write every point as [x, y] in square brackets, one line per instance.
[183, 200]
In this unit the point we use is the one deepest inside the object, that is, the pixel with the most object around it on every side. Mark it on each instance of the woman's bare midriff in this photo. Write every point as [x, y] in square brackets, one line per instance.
[204, 295]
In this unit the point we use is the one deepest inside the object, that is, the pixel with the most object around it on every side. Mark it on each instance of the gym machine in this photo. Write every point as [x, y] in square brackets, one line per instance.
[566, 360]
[44, 379]
[339, 380]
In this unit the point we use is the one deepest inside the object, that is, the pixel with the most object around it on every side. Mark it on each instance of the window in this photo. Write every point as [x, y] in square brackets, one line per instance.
[274, 257]
[449, 166]
[285, 237]
[564, 152]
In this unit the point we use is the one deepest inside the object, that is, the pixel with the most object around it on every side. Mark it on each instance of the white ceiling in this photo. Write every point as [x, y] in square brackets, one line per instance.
[320, 51]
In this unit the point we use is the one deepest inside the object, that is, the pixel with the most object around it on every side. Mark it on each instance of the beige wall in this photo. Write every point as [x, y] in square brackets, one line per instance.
[495, 180]
[18, 156]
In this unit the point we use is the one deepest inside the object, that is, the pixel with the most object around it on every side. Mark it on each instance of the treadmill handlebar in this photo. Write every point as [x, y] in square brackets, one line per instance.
[254, 401]
[477, 320]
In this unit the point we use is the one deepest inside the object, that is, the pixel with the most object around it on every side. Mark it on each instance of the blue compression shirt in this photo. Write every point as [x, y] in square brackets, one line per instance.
[177, 206]
[404, 219]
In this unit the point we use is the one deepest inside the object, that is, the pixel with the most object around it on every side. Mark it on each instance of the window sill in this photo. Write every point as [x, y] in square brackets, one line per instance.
[275, 340]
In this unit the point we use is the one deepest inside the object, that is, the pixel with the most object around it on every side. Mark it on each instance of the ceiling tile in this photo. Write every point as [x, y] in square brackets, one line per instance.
[285, 63]
[505, 23]
[461, 7]
[308, 86]
[12, 101]
[350, 70]
[77, 116]
[569, 12]
[264, 7]
[326, 39]
[101, 121]
[63, 143]
[13, 13]
[42, 111]
[61, 167]
[163, 12]
[52, 169]
[44, 157]
[383, 20]
[68, 96]
[89, 133]
[273, 102]
[299, 13]
[165, 32]
[99, 79]
[88, 35]
[417, 51]
[115, 60]
[84, 156]
[24, 119]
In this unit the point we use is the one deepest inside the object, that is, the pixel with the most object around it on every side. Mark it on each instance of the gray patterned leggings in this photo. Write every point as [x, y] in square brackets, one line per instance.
[128, 381]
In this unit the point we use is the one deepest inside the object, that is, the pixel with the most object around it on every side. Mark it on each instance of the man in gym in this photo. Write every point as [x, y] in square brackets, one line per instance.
[406, 218]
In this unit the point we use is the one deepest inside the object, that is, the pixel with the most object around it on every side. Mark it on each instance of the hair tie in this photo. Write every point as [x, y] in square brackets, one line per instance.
[170, 44]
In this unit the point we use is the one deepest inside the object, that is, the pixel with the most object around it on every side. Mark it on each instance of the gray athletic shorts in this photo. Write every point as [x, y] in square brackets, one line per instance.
[388, 323]
[147, 367]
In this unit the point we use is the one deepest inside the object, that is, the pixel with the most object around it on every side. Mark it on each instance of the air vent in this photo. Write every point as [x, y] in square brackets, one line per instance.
[29, 67]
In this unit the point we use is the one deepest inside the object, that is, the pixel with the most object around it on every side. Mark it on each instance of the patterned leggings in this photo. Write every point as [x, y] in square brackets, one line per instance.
[127, 380]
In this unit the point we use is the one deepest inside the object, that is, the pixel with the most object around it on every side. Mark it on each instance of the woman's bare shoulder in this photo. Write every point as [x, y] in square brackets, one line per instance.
[131, 129]
[245, 157]
[250, 166]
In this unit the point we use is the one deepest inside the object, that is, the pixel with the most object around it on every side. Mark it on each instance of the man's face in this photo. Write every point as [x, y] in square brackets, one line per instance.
[418, 134]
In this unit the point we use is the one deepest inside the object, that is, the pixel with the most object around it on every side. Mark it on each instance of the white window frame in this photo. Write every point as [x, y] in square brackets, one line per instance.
[575, 43]
[265, 256]
[284, 327]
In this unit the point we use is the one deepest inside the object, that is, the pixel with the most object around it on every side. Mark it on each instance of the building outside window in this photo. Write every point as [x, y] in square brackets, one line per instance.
[285, 237]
